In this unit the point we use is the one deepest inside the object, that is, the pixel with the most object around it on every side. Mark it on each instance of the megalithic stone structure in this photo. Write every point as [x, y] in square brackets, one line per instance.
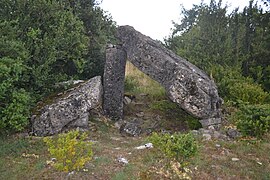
[186, 84]
[113, 81]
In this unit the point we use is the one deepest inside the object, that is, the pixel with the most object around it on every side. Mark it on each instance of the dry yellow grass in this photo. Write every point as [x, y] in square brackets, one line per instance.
[143, 83]
[142, 78]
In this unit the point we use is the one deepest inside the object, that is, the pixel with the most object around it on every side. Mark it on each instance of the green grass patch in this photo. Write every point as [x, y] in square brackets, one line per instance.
[21, 158]
[127, 173]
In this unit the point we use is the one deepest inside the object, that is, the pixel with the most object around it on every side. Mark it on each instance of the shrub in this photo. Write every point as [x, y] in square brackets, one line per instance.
[15, 114]
[164, 105]
[176, 146]
[235, 87]
[14, 100]
[253, 120]
[70, 150]
[247, 92]
[193, 123]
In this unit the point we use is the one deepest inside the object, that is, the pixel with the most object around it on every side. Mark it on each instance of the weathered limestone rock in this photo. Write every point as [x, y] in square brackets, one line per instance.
[72, 109]
[185, 84]
[113, 82]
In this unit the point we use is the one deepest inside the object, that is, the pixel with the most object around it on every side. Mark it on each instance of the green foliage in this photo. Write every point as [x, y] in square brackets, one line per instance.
[235, 87]
[71, 150]
[56, 41]
[14, 148]
[15, 114]
[176, 146]
[193, 123]
[43, 43]
[253, 120]
[164, 105]
[14, 100]
[247, 92]
[99, 28]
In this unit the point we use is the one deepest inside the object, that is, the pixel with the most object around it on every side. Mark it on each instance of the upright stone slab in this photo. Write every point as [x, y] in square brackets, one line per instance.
[185, 84]
[113, 82]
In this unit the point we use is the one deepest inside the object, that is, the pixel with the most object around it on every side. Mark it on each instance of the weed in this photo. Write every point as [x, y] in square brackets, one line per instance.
[13, 163]
[102, 161]
[70, 150]
[40, 165]
[176, 146]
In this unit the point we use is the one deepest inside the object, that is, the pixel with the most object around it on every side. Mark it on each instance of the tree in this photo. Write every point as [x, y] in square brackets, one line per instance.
[55, 39]
[99, 28]
[203, 32]
[14, 100]
[232, 48]
[44, 42]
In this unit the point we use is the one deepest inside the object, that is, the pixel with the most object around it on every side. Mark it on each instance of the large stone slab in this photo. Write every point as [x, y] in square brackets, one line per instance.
[185, 83]
[113, 81]
[71, 109]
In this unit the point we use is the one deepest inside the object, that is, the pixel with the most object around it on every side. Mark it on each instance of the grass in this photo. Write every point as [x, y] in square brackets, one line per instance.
[216, 162]
[128, 172]
[211, 162]
[18, 157]
[137, 83]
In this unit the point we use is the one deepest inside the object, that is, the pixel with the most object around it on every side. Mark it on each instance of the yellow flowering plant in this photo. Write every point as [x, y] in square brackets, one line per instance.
[71, 150]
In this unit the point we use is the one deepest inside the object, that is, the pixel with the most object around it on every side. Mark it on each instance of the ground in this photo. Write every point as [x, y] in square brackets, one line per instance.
[26, 157]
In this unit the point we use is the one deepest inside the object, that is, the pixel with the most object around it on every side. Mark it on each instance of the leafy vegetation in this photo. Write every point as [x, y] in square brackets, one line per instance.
[71, 150]
[43, 43]
[164, 105]
[176, 146]
[14, 100]
[253, 120]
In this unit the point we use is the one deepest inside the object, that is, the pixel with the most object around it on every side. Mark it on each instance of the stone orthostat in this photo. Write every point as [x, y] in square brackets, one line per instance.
[113, 81]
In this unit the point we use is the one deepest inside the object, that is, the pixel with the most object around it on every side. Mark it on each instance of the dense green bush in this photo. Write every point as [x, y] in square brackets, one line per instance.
[16, 112]
[247, 92]
[45, 42]
[71, 150]
[14, 100]
[235, 87]
[176, 146]
[253, 120]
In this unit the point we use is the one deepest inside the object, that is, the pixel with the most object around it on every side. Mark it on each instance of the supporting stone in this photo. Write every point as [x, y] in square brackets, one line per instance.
[71, 109]
[113, 82]
[186, 84]
[211, 121]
